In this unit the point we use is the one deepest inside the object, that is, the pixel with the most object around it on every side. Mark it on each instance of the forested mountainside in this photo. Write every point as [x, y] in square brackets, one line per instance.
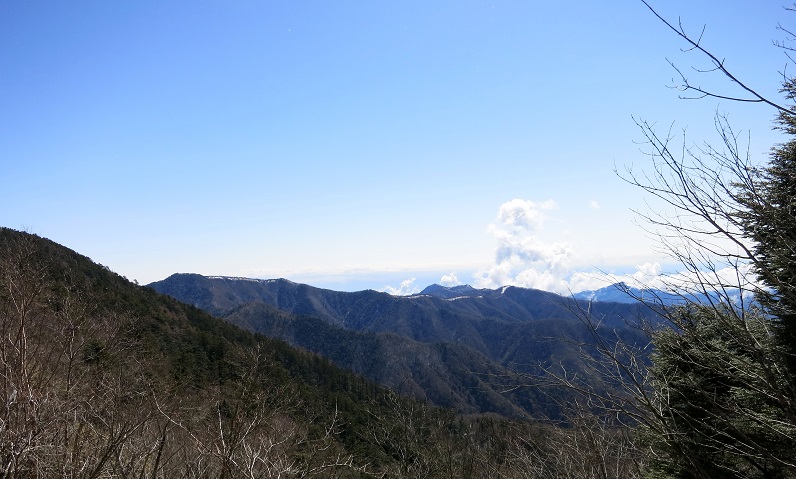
[103, 378]
[460, 348]
[423, 316]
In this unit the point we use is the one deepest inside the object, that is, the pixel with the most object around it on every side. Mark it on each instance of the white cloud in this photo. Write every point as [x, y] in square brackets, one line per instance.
[594, 205]
[647, 275]
[450, 280]
[651, 275]
[521, 258]
[583, 281]
[729, 276]
[406, 288]
[526, 257]
[523, 214]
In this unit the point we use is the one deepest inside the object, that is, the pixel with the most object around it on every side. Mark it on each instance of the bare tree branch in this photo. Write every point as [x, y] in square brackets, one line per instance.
[718, 65]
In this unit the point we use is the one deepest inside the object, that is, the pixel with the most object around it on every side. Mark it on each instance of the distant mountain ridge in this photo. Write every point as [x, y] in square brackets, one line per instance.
[623, 293]
[448, 345]
[615, 293]
[447, 292]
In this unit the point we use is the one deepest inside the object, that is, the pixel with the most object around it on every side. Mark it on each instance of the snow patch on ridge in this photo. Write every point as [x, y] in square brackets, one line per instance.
[253, 280]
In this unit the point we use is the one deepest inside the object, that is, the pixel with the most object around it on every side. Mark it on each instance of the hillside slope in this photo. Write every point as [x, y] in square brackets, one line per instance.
[103, 378]
[457, 348]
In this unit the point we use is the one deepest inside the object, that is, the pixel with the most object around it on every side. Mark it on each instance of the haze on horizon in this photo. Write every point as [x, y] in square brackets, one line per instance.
[351, 145]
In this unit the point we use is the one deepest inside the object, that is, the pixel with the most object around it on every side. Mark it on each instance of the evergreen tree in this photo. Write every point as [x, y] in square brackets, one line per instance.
[720, 400]
[721, 394]
[724, 375]
[770, 223]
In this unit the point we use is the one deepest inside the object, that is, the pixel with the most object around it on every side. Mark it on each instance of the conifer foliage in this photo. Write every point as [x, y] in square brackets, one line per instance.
[720, 395]
[770, 223]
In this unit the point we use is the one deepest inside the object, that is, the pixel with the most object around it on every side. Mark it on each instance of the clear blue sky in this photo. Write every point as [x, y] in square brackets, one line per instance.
[354, 144]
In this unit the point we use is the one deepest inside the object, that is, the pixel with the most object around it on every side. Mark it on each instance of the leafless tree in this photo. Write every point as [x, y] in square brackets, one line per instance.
[712, 395]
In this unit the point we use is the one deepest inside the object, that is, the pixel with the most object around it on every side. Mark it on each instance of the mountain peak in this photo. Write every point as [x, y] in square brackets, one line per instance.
[446, 292]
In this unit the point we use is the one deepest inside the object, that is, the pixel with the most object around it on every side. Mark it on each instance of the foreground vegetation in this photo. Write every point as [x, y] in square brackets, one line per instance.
[103, 378]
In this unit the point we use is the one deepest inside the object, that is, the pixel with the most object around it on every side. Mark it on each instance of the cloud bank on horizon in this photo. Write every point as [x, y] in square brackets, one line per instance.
[522, 258]
[406, 288]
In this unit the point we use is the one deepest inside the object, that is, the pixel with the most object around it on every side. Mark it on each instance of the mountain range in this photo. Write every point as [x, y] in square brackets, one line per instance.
[623, 293]
[100, 377]
[457, 347]
[105, 378]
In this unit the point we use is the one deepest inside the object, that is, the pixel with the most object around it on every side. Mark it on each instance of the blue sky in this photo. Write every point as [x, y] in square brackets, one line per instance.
[356, 145]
